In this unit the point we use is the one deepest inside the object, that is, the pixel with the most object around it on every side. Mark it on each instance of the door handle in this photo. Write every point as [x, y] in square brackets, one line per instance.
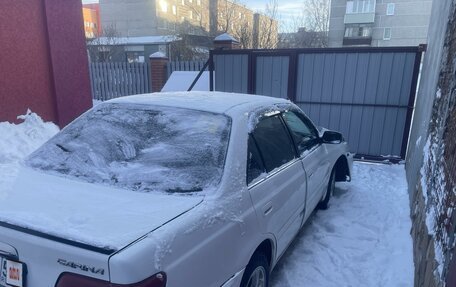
[268, 209]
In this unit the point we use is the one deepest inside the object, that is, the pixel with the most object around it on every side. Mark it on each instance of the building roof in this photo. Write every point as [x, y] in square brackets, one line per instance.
[225, 37]
[145, 40]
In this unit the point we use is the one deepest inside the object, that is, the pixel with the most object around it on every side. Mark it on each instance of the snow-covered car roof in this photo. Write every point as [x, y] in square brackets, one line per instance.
[216, 102]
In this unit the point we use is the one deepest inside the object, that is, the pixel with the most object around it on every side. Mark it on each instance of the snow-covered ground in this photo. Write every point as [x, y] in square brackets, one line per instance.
[361, 240]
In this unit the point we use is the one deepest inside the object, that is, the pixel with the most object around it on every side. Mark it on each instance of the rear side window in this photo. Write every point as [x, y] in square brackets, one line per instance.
[254, 162]
[273, 142]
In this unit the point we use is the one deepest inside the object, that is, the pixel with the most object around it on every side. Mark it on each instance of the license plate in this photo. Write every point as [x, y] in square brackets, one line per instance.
[11, 273]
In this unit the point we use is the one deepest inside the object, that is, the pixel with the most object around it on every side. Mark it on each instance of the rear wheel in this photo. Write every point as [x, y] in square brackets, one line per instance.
[324, 203]
[257, 272]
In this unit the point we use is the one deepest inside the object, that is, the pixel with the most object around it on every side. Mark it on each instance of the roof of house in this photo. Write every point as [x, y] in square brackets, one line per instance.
[226, 37]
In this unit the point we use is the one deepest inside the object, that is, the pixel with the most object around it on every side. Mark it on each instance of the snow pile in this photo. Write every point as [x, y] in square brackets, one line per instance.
[18, 140]
[361, 240]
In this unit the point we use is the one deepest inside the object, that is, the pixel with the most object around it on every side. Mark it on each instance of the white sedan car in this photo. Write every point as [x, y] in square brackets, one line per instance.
[179, 189]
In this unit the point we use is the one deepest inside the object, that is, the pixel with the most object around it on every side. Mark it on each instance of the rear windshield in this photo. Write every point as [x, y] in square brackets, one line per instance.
[143, 149]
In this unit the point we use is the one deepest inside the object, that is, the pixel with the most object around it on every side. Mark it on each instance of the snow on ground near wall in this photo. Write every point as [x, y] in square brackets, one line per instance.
[19, 140]
[361, 240]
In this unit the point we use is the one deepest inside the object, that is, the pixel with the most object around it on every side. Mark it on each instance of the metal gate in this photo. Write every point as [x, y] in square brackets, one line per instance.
[366, 93]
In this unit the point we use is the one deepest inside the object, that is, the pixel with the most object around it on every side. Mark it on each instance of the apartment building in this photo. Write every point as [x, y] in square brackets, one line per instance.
[379, 23]
[91, 15]
[195, 17]
[265, 32]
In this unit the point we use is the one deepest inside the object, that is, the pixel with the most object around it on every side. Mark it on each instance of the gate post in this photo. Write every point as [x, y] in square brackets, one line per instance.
[226, 42]
[158, 70]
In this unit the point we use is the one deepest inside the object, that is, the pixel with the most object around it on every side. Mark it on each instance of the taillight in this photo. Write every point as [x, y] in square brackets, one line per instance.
[76, 280]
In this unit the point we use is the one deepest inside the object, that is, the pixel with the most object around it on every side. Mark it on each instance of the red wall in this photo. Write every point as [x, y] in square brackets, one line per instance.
[43, 61]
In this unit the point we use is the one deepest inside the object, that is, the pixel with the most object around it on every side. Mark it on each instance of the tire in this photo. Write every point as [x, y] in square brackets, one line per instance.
[257, 272]
[324, 203]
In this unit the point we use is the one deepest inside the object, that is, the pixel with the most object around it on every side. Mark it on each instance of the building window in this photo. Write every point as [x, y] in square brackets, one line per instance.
[163, 6]
[360, 6]
[135, 57]
[390, 9]
[387, 34]
[198, 2]
[358, 31]
[174, 10]
[183, 2]
[191, 14]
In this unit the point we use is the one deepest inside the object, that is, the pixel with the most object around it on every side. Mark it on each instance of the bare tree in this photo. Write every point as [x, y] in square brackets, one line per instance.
[105, 47]
[189, 46]
[244, 34]
[227, 14]
[317, 19]
[266, 34]
[309, 29]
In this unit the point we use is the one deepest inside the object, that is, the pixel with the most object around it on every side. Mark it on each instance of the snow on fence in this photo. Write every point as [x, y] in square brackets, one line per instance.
[112, 80]
[185, 66]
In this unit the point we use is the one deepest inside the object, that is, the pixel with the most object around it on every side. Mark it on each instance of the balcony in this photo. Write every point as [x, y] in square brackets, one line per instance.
[357, 41]
[359, 18]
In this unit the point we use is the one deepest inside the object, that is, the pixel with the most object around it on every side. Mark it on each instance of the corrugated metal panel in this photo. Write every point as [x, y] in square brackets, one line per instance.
[231, 73]
[272, 76]
[362, 95]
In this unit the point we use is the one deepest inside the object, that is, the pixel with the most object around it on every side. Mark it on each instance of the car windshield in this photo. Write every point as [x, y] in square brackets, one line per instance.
[140, 148]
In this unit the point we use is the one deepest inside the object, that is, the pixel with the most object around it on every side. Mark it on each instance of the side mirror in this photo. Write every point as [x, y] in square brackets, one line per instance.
[330, 137]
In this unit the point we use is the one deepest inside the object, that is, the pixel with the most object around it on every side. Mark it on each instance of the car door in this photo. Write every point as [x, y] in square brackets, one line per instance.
[276, 180]
[313, 155]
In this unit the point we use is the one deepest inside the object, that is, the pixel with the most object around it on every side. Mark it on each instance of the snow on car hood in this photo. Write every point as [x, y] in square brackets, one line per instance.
[97, 215]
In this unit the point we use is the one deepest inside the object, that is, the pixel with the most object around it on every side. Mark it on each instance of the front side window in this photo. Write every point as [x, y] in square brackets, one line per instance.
[304, 134]
[273, 142]
[150, 149]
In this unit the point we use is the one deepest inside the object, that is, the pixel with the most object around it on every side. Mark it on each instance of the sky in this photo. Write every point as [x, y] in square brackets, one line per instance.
[287, 8]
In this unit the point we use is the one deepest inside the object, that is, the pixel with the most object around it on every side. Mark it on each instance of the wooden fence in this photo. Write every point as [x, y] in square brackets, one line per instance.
[112, 80]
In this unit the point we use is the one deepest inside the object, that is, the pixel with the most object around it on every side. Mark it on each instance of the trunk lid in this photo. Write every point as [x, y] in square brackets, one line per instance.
[94, 215]
[54, 224]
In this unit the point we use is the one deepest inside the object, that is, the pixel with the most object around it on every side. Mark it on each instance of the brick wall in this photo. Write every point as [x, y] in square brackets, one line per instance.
[158, 71]
[44, 63]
